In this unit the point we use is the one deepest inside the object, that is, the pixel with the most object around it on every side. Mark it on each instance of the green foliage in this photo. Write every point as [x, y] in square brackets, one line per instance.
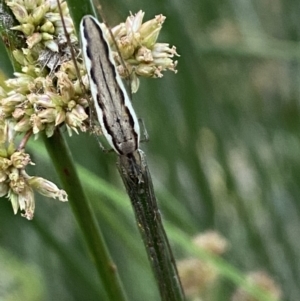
[223, 153]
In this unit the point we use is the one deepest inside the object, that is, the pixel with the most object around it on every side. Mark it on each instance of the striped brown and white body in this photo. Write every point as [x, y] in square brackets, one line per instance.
[113, 107]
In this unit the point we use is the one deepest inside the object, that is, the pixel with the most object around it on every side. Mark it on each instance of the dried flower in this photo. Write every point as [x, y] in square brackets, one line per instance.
[15, 183]
[137, 44]
[212, 242]
[38, 101]
[47, 188]
[197, 276]
[19, 159]
[261, 280]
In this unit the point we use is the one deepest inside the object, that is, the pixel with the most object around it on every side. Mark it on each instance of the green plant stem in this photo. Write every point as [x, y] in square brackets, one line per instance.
[78, 10]
[64, 165]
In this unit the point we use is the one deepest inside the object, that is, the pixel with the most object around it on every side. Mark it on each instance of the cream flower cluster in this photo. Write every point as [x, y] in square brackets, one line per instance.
[49, 91]
[142, 55]
[15, 183]
[43, 95]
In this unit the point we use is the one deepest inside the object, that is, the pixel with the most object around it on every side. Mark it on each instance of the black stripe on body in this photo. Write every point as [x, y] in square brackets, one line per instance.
[117, 119]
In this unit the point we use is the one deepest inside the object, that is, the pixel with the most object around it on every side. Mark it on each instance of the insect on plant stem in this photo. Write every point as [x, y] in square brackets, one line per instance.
[120, 126]
[114, 110]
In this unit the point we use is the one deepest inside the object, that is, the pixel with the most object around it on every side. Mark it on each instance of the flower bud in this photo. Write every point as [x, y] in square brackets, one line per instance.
[47, 188]
[48, 27]
[69, 68]
[52, 45]
[126, 47]
[4, 188]
[40, 100]
[34, 39]
[263, 281]
[135, 83]
[19, 83]
[29, 56]
[118, 32]
[31, 4]
[133, 23]
[19, 11]
[150, 30]
[36, 123]
[19, 57]
[47, 36]
[86, 82]
[52, 17]
[80, 112]
[83, 102]
[144, 55]
[3, 176]
[23, 125]
[17, 185]
[47, 115]
[13, 100]
[49, 129]
[20, 159]
[147, 70]
[212, 242]
[39, 13]
[196, 276]
[18, 113]
[27, 202]
[65, 86]
[60, 117]
[27, 29]
[75, 118]
[4, 163]
[14, 199]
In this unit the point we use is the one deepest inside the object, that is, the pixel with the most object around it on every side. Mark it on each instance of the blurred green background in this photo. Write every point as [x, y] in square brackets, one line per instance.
[224, 153]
